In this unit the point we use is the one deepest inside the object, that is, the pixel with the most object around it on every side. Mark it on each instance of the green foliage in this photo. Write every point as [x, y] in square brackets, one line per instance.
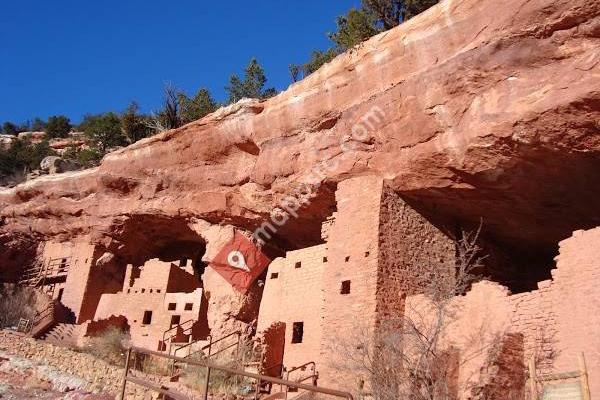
[357, 26]
[38, 125]
[21, 156]
[192, 109]
[391, 13]
[353, 28]
[8, 128]
[86, 158]
[58, 126]
[252, 86]
[135, 125]
[104, 130]
[317, 59]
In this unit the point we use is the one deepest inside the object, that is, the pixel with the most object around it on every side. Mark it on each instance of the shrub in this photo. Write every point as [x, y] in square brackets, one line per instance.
[108, 346]
[58, 126]
[16, 302]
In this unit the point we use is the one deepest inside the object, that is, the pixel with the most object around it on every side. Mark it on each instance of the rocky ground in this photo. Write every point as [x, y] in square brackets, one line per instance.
[23, 379]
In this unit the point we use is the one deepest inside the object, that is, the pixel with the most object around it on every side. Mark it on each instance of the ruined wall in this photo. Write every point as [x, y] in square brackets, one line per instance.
[552, 324]
[413, 254]
[294, 294]
[562, 318]
[151, 292]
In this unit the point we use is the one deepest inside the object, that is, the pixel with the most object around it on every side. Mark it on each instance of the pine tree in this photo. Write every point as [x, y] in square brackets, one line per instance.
[197, 107]
[252, 86]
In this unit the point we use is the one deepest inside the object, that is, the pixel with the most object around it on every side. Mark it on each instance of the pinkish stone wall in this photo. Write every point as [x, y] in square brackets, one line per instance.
[294, 294]
[159, 284]
[83, 256]
[552, 324]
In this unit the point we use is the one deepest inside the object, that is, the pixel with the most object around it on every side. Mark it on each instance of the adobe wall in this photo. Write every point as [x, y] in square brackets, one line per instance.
[294, 293]
[151, 291]
[83, 256]
[552, 324]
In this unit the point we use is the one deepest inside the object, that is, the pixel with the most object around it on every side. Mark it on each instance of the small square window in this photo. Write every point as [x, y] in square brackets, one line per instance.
[347, 258]
[297, 332]
[324, 259]
[298, 264]
[157, 290]
[147, 318]
[143, 290]
[150, 290]
[188, 306]
[175, 320]
[274, 275]
[367, 254]
[172, 306]
[345, 287]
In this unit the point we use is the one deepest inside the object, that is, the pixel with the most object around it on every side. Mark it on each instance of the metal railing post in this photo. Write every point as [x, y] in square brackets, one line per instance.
[125, 374]
[207, 381]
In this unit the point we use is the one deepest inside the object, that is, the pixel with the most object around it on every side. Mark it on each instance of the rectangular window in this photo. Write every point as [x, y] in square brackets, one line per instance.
[188, 306]
[60, 294]
[297, 332]
[274, 275]
[324, 259]
[175, 320]
[298, 264]
[347, 258]
[183, 262]
[147, 318]
[345, 287]
[172, 306]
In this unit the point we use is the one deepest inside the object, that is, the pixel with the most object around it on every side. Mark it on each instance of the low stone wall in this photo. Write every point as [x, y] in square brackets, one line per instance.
[102, 377]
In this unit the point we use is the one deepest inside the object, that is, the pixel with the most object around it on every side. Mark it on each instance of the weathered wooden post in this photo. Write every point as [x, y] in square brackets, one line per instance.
[585, 387]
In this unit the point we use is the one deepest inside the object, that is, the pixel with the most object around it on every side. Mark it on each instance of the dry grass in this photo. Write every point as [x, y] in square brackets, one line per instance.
[108, 346]
[16, 302]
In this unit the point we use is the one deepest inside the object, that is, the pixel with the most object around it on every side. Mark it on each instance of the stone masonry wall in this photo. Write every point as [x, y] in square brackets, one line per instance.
[352, 257]
[293, 293]
[82, 257]
[412, 253]
[102, 377]
[552, 324]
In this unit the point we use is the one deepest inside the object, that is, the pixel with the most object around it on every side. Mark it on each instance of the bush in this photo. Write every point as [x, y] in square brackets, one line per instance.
[58, 126]
[16, 302]
[108, 346]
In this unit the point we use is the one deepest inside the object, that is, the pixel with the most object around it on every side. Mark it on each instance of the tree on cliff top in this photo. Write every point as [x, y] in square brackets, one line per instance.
[196, 107]
[134, 124]
[58, 126]
[357, 25]
[252, 86]
[104, 130]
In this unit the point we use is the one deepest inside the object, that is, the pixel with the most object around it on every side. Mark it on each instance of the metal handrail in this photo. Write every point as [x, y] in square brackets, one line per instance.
[178, 326]
[210, 366]
[314, 375]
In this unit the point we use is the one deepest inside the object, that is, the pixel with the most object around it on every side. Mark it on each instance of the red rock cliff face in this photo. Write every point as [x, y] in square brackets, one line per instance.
[473, 109]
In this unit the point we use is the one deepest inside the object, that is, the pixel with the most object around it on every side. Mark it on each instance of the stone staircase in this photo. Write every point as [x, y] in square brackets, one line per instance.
[61, 334]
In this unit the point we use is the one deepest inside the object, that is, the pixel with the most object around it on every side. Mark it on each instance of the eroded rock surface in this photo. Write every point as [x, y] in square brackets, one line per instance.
[472, 110]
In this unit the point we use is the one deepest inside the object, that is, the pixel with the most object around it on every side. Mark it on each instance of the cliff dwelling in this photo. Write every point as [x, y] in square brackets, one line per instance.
[415, 219]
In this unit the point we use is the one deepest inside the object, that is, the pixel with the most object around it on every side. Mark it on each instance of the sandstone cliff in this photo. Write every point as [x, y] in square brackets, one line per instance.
[473, 109]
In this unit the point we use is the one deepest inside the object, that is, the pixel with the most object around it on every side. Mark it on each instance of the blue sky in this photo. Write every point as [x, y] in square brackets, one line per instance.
[77, 57]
